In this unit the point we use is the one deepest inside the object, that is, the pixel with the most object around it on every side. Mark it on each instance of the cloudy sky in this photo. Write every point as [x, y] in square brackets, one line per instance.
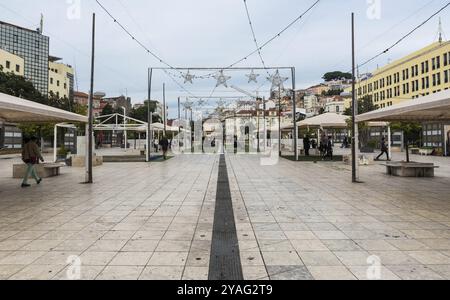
[216, 33]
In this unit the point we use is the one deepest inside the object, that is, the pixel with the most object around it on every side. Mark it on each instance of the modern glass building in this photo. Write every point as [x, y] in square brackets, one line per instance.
[33, 47]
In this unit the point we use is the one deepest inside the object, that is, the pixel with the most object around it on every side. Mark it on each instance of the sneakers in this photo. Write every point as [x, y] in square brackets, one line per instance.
[39, 181]
[25, 185]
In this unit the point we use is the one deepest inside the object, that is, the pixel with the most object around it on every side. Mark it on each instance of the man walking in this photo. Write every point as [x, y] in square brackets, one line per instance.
[384, 149]
[31, 156]
[165, 146]
[306, 145]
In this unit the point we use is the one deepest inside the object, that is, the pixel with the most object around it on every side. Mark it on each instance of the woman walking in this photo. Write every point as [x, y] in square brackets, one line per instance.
[31, 156]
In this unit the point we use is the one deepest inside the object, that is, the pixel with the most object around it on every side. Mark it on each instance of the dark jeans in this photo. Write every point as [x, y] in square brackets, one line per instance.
[381, 154]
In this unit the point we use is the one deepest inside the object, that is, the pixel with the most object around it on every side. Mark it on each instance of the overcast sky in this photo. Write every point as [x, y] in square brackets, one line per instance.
[216, 33]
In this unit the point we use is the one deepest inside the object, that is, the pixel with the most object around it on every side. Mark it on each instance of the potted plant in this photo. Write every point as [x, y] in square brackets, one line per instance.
[370, 147]
[62, 154]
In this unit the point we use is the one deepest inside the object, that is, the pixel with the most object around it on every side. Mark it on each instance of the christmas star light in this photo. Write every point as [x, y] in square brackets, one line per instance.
[252, 77]
[188, 77]
[221, 79]
[277, 80]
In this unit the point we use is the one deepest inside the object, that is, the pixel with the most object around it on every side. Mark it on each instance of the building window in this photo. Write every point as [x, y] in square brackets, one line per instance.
[8, 64]
[446, 76]
[65, 86]
[438, 62]
[438, 78]
[446, 59]
[17, 68]
[57, 83]
[51, 80]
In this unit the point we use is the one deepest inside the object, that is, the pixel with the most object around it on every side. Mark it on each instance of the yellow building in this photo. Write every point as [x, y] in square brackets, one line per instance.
[419, 74]
[11, 63]
[60, 78]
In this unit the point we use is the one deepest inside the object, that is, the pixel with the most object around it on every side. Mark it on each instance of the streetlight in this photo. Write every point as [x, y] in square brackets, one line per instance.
[125, 125]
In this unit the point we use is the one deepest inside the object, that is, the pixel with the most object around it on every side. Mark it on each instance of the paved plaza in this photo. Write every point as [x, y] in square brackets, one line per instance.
[293, 221]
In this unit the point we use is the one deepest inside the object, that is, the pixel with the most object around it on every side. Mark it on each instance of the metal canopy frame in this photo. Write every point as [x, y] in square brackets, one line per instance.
[292, 69]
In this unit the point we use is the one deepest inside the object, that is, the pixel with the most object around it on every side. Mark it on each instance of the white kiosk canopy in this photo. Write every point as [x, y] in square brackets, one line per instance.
[18, 110]
[435, 107]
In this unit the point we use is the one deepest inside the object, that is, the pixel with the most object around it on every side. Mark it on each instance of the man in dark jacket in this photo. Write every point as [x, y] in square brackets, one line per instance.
[306, 145]
[165, 146]
[384, 149]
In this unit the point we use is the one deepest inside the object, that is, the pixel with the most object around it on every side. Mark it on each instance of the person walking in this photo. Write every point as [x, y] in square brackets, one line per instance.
[329, 151]
[165, 146]
[306, 145]
[31, 156]
[384, 149]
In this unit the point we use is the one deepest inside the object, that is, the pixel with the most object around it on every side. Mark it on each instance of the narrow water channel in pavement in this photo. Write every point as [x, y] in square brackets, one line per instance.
[225, 262]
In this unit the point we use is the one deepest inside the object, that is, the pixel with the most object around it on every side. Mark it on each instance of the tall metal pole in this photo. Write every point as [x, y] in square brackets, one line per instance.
[279, 120]
[89, 134]
[354, 177]
[257, 120]
[265, 123]
[125, 127]
[165, 112]
[179, 123]
[294, 109]
[150, 114]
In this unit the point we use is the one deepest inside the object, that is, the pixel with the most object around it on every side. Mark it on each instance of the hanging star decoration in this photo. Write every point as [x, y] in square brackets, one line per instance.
[277, 80]
[221, 79]
[188, 77]
[187, 105]
[252, 77]
[201, 102]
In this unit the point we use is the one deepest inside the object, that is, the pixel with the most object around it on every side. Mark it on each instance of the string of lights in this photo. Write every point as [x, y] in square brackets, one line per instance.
[254, 37]
[279, 34]
[405, 36]
[133, 37]
[381, 35]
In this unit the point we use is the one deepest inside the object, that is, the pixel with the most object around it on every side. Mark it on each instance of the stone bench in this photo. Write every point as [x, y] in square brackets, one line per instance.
[44, 170]
[413, 169]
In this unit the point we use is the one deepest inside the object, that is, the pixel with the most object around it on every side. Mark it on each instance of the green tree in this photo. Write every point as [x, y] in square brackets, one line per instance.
[411, 133]
[336, 75]
[331, 93]
[365, 105]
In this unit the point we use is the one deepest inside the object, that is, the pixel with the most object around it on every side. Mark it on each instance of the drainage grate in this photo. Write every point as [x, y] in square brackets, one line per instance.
[225, 261]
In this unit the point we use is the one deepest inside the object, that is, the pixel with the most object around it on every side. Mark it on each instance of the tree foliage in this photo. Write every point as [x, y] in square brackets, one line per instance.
[336, 75]
[18, 86]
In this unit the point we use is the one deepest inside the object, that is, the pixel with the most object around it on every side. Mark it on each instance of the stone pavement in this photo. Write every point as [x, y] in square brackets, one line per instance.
[293, 221]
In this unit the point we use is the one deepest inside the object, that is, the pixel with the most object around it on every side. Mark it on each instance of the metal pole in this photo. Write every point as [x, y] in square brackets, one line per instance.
[89, 177]
[354, 176]
[295, 114]
[165, 112]
[279, 120]
[149, 114]
[257, 120]
[265, 123]
[55, 141]
[179, 123]
[125, 127]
